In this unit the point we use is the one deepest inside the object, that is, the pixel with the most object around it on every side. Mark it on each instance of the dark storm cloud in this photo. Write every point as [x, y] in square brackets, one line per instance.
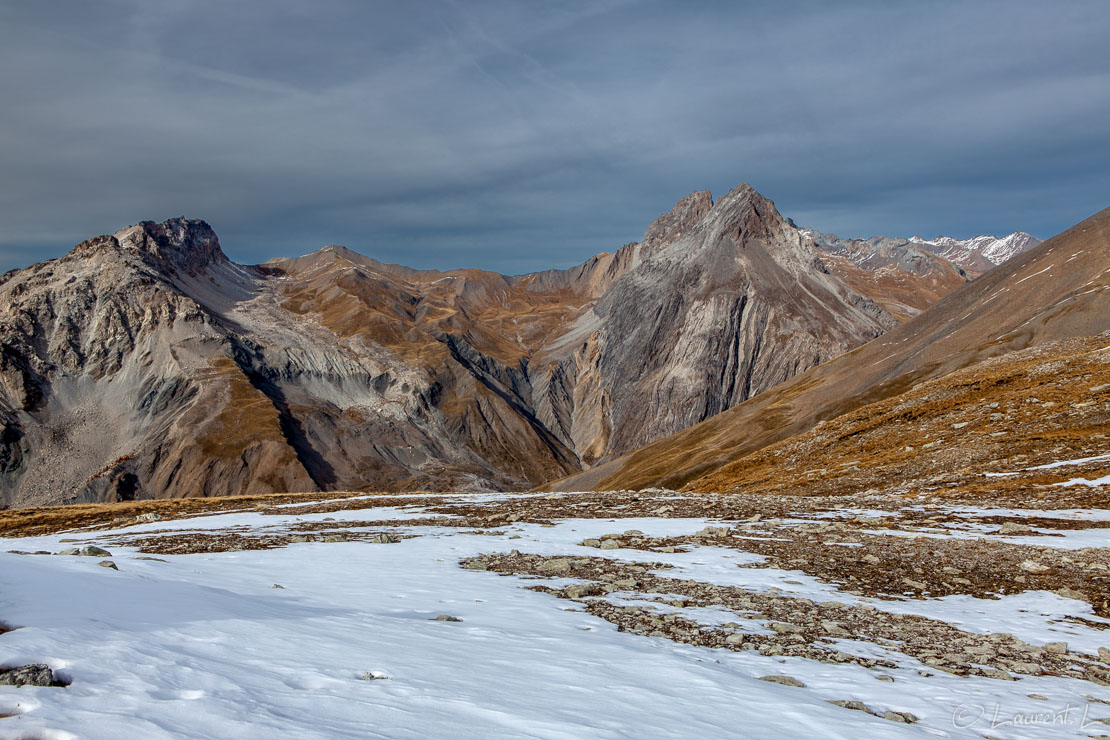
[518, 136]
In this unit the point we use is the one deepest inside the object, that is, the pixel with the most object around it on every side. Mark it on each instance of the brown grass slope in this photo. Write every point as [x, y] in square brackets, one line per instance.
[1055, 292]
[985, 432]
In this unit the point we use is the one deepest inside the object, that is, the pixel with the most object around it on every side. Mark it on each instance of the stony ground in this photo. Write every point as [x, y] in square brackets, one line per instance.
[862, 580]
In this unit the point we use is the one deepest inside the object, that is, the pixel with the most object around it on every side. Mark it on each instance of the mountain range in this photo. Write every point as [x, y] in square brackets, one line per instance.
[148, 364]
[1036, 326]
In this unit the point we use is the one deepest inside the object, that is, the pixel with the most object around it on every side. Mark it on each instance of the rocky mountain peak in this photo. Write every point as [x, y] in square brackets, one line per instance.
[745, 214]
[681, 219]
[181, 243]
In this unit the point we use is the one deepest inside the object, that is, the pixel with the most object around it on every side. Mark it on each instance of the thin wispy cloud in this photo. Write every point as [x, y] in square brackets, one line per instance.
[518, 136]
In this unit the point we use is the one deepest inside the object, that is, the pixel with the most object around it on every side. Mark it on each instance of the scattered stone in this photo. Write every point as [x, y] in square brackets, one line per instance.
[1032, 566]
[558, 565]
[712, 532]
[783, 680]
[1057, 648]
[333, 538]
[859, 706]
[94, 551]
[870, 559]
[611, 545]
[147, 557]
[373, 676]
[480, 564]
[1010, 528]
[1038, 697]
[446, 618]
[278, 585]
[590, 542]
[579, 590]
[1070, 593]
[903, 717]
[107, 564]
[385, 539]
[36, 674]
[1104, 655]
[784, 628]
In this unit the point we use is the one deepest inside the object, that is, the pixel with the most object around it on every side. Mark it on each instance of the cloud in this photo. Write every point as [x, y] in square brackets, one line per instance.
[517, 136]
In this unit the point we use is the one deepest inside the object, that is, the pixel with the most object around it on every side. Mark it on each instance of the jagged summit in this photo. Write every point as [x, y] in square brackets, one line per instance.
[187, 244]
[177, 243]
[670, 226]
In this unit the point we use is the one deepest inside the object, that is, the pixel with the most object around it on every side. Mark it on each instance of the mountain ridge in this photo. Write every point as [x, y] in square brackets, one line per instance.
[151, 365]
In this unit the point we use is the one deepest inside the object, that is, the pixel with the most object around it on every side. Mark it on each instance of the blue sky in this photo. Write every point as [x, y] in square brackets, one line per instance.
[518, 136]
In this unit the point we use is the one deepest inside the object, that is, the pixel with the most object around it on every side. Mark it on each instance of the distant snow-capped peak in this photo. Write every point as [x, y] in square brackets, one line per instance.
[996, 249]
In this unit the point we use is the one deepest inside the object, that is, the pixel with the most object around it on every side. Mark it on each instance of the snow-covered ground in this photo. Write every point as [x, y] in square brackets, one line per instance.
[207, 645]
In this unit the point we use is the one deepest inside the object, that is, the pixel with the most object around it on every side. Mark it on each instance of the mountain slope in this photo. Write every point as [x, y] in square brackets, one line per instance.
[1054, 292]
[106, 356]
[899, 275]
[147, 364]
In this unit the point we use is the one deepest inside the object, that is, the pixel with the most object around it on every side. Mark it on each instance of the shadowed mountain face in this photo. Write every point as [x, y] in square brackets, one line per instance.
[147, 364]
[1041, 299]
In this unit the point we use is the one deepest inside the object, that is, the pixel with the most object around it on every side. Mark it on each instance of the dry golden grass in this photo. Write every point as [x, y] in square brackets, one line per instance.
[50, 519]
[405, 314]
[1002, 416]
[246, 418]
[895, 290]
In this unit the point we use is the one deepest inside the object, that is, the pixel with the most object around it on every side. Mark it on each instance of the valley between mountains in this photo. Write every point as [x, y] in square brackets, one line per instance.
[146, 364]
[739, 478]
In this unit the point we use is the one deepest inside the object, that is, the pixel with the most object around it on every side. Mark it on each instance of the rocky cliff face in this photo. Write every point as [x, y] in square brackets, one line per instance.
[737, 302]
[147, 364]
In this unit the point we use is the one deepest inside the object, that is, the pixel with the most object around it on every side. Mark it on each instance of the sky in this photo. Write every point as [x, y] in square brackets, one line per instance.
[518, 136]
